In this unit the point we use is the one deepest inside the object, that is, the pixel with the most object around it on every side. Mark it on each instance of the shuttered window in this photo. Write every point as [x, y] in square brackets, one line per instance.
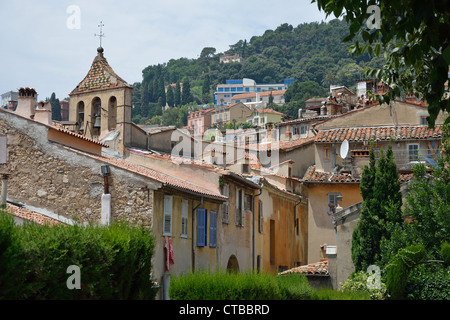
[226, 192]
[167, 221]
[201, 227]
[213, 229]
[184, 218]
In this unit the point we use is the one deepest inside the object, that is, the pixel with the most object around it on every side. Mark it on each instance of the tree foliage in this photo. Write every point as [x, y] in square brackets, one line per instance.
[311, 53]
[380, 189]
[414, 36]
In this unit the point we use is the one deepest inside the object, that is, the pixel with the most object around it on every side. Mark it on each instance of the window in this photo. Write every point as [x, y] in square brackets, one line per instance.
[167, 221]
[201, 227]
[423, 121]
[248, 202]
[295, 130]
[332, 199]
[239, 208]
[303, 129]
[226, 192]
[245, 168]
[413, 152]
[213, 229]
[184, 219]
[326, 153]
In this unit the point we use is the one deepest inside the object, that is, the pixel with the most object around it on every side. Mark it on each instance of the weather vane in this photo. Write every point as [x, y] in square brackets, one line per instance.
[101, 34]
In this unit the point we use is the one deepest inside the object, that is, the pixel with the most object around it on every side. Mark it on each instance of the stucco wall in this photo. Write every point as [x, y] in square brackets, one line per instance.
[320, 223]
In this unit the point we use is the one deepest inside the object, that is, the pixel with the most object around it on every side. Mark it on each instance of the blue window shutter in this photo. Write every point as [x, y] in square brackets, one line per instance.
[201, 227]
[213, 229]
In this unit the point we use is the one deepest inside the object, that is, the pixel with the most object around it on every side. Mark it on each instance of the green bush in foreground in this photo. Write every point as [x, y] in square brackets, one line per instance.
[114, 261]
[203, 285]
[220, 285]
[294, 287]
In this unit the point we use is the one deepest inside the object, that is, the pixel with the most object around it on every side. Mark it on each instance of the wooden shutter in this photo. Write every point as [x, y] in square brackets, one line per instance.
[213, 229]
[167, 219]
[184, 218]
[201, 227]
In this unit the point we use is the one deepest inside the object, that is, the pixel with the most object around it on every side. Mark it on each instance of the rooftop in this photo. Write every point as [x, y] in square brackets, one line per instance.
[100, 76]
[381, 133]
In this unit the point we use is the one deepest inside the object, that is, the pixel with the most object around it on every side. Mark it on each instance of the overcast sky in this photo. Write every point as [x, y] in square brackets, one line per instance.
[46, 45]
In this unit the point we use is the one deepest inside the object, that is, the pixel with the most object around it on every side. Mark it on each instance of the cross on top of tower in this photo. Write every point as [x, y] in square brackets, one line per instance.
[101, 34]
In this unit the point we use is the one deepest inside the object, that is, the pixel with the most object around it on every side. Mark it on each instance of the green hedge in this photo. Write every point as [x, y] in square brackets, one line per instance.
[202, 285]
[114, 261]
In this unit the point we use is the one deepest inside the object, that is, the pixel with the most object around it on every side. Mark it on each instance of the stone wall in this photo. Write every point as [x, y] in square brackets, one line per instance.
[66, 182]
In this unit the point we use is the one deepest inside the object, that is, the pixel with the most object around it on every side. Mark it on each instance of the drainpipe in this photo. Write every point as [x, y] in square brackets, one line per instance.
[193, 239]
[253, 227]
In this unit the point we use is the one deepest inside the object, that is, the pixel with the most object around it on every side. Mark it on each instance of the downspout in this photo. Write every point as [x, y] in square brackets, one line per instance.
[295, 220]
[193, 240]
[253, 227]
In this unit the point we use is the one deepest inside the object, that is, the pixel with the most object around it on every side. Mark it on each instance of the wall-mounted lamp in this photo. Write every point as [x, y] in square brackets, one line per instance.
[106, 171]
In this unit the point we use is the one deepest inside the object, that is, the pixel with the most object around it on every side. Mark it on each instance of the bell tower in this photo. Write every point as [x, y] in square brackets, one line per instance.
[102, 102]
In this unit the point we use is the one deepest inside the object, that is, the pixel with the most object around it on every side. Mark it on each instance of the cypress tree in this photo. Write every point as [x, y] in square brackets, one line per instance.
[382, 200]
[177, 95]
[186, 96]
[170, 97]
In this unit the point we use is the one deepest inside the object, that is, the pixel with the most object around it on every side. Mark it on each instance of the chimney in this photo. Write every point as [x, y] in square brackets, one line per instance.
[43, 113]
[323, 110]
[26, 101]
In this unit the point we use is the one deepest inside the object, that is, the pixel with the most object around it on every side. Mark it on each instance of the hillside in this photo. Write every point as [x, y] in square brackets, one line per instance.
[311, 52]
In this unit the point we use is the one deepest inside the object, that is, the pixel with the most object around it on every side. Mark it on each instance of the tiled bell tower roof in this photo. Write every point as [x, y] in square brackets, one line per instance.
[101, 76]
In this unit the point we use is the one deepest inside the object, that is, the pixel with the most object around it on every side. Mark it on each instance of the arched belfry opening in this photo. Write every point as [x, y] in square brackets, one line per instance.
[96, 117]
[80, 116]
[112, 113]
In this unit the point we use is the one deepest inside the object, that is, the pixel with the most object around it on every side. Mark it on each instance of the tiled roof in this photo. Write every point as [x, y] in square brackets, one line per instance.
[378, 134]
[312, 175]
[29, 215]
[268, 111]
[281, 145]
[100, 76]
[79, 136]
[161, 177]
[261, 94]
[318, 268]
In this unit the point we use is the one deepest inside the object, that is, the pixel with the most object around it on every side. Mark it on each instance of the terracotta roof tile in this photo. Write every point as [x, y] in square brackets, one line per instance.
[29, 215]
[161, 177]
[318, 268]
[261, 94]
[378, 134]
[100, 76]
[312, 175]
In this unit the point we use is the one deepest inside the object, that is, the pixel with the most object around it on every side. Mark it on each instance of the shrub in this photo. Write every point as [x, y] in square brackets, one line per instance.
[202, 285]
[429, 281]
[398, 269]
[294, 287]
[357, 283]
[330, 294]
[115, 262]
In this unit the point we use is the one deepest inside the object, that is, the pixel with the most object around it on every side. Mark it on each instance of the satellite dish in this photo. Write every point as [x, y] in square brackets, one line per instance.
[344, 149]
